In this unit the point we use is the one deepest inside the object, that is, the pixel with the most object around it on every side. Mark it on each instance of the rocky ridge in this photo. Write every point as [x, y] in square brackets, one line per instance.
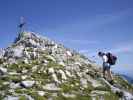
[37, 68]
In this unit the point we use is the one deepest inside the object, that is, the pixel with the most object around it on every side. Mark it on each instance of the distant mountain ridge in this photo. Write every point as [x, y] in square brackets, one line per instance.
[128, 78]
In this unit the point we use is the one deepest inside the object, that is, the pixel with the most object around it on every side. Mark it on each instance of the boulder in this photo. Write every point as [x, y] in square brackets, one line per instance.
[3, 70]
[51, 70]
[27, 84]
[41, 93]
[62, 63]
[63, 76]
[14, 85]
[55, 78]
[68, 73]
[18, 51]
[83, 82]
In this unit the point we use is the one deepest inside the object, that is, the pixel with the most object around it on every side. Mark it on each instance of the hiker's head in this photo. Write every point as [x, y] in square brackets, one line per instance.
[100, 53]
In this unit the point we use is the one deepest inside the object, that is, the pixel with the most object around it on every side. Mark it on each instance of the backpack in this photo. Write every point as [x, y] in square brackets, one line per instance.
[111, 58]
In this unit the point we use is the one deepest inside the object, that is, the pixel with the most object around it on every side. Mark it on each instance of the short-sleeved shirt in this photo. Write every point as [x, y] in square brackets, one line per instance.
[104, 58]
[106, 65]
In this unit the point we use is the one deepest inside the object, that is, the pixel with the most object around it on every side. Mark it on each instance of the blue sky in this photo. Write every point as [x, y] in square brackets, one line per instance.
[84, 25]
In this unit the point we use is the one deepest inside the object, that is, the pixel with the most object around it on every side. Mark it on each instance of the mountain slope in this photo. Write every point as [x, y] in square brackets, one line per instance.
[37, 68]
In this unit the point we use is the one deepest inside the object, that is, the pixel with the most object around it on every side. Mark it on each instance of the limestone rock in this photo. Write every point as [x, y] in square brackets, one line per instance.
[27, 84]
[3, 70]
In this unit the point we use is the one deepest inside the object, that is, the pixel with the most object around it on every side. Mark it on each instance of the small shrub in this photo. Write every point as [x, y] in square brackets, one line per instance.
[13, 66]
[20, 91]
[4, 87]
[1, 97]
[30, 49]
[66, 88]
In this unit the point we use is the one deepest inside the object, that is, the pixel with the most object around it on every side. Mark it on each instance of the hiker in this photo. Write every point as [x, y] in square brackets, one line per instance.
[108, 60]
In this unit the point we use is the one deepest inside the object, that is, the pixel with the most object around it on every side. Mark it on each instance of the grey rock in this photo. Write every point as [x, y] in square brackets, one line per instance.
[11, 98]
[27, 84]
[3, 70]
[2, 52]
[67, 95]
[14, 85]
[41, 93]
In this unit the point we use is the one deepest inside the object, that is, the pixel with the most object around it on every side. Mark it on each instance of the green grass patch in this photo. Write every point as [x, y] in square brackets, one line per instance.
[102, 88]
[111, 96]
[22, 98]
[54, 65]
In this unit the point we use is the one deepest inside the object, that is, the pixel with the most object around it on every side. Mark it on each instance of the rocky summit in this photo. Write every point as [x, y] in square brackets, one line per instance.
[37, 68]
